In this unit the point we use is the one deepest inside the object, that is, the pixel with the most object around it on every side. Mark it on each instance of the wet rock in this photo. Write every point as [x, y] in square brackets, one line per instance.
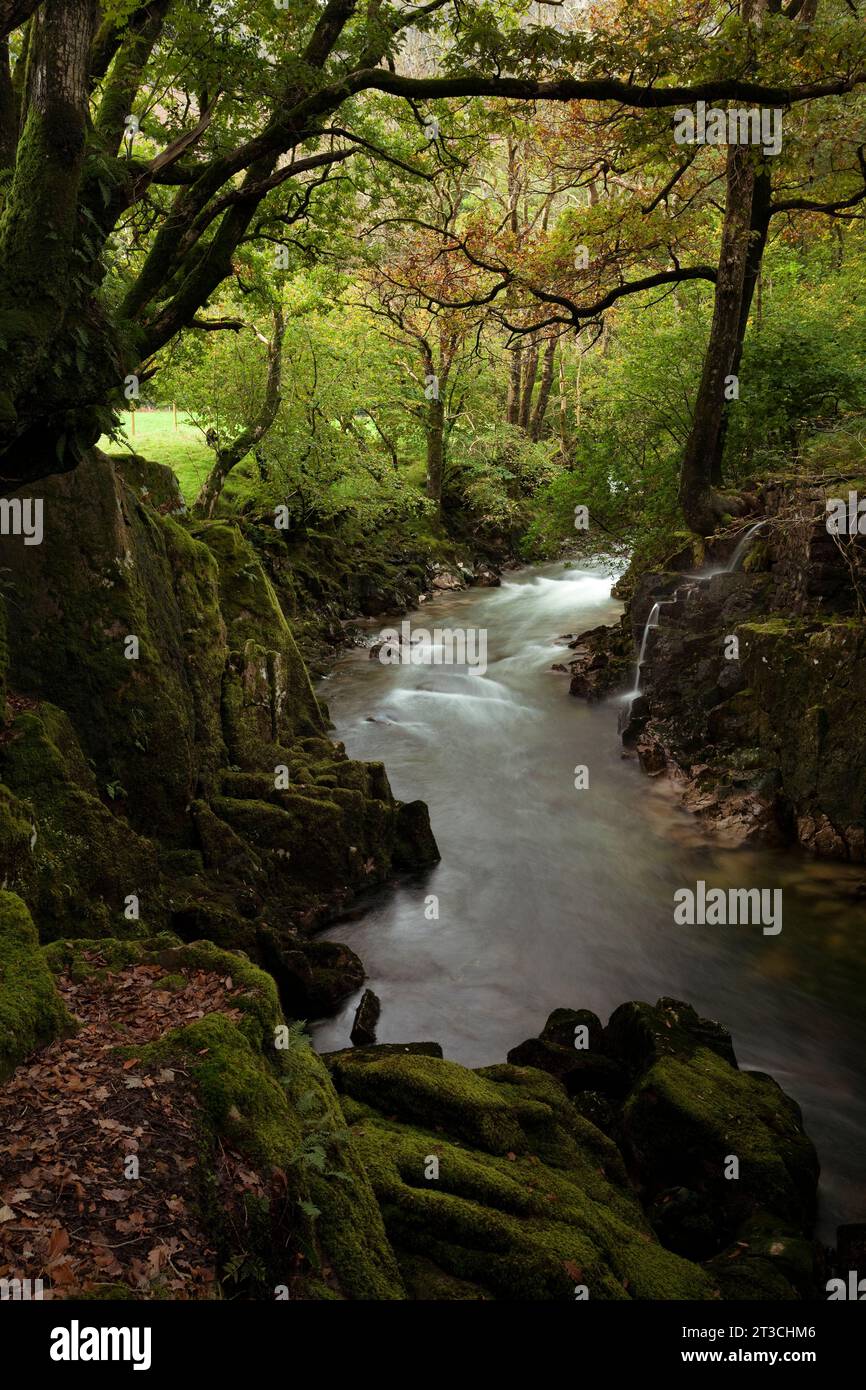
[313, 977]
[446, 580]
[415, 844]
[577, 1070]
[600, 664]
[366, 1017]
[783, 702]
[632, 720]
[652, 756]
[638, 1034]
[564, 1025]
[486, 578]
[818, 834]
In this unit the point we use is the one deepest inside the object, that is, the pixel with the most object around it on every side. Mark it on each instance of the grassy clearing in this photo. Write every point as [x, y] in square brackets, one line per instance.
[182, 449]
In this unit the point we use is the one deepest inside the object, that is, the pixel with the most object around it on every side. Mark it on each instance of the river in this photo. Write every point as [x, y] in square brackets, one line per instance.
[550, 896]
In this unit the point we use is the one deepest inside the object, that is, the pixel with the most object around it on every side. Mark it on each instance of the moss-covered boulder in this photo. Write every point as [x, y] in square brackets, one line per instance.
[572, 1048]
[714, 1152]
[31, 1011]
[733, 1136]
[73, 861]
[493, 1186]
[116, 619]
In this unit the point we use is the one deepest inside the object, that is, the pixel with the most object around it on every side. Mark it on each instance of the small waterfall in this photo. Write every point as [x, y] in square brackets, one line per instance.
[653, 614]
[743, 542]
[652, 621]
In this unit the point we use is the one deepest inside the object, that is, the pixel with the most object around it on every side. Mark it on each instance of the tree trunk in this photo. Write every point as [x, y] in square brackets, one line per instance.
[435, 451]
[512, 410]
[8, 111]
[227, 458]
[563, 411]
[701, 466]
[758, 228]
[744, 236]
[530, 369]
[42, 287]
[537, 422]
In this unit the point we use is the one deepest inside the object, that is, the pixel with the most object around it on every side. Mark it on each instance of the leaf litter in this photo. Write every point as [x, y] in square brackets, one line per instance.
[72, 1116]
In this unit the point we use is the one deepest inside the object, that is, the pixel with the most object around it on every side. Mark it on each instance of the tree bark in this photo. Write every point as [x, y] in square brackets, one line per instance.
[8, 111]
[536, 424]
[530, 371]
[41, 284]
[515, 376]
[744, 235]
[701, 465]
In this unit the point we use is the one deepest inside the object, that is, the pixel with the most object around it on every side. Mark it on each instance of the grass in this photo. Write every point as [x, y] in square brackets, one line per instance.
[182, 449]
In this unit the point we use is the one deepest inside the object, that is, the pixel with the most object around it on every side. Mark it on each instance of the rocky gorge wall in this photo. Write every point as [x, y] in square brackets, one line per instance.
[753, 680]
[165, 762]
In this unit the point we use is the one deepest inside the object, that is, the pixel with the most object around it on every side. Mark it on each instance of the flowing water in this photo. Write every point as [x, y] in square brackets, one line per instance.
[550, 896]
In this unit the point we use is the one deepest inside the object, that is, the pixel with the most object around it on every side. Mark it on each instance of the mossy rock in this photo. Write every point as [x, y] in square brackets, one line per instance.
[638, 1034]
[284, 1114]
[112, 568]
[267, 697]
[689, 1114]
[415, 843]
[306, 832]
[155, 483]
[222, 849]
[81, 862]
[16, 832]
[275, 1102]
[767, 1261]
[530, 1200]
[313, 977]
[31, 1010]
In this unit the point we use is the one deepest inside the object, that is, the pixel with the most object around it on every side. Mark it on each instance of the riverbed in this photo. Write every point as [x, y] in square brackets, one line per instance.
[549, 895]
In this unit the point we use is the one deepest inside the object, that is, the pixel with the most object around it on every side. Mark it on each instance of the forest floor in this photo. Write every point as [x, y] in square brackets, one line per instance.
[102, 1157]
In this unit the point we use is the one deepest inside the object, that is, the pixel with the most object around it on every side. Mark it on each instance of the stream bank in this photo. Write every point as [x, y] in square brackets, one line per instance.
[551, 896]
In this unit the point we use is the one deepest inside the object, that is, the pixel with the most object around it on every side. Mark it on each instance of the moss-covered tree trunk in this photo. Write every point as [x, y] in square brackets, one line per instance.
[45, 284]
[530, 371]
[744, 234]
[515, 376]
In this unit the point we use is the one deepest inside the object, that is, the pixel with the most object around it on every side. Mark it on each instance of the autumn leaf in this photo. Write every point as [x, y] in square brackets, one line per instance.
[58, 1243]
